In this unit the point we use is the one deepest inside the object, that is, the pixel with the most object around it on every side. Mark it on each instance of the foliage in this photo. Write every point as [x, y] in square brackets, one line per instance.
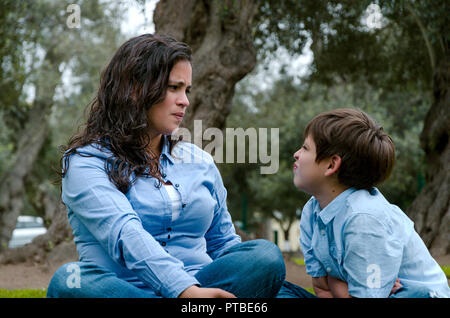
[383, 67]
[394, 52]
[34, 31]
[289, 107]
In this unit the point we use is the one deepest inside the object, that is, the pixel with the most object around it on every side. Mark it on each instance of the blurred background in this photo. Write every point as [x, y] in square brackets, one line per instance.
[261, 64]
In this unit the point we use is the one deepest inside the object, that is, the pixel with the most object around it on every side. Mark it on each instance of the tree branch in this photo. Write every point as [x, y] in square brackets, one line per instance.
[424, 35]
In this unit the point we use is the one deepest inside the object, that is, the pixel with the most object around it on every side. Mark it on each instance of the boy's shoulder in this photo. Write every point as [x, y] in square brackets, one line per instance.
[372, 204]
[368, 201]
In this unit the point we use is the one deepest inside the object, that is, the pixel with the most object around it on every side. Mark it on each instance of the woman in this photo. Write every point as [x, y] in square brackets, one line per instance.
[148, 221]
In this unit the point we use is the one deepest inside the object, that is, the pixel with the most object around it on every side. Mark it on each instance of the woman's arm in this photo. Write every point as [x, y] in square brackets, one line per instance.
[221, 234]
[110, 218]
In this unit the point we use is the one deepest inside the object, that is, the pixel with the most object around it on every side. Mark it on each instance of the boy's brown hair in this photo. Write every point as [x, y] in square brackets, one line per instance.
[367, 152]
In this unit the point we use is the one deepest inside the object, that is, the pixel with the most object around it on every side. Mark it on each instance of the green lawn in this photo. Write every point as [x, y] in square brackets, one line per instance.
[41, 293]
[23, 293]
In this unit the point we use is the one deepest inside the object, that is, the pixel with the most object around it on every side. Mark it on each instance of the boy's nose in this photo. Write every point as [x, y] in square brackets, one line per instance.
[296, 156]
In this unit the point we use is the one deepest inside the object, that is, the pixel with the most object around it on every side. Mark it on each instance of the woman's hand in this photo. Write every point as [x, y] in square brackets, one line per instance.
[198, 292]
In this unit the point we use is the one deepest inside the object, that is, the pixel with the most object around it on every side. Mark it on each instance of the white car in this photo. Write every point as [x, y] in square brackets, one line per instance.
[27, 228]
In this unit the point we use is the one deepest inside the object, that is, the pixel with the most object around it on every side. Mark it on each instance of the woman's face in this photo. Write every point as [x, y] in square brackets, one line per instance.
[167, 116]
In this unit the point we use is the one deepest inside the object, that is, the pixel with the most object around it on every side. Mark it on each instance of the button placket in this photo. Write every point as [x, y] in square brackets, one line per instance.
[178, 188]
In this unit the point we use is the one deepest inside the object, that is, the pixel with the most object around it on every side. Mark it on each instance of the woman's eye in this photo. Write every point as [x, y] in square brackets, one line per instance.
[188, 92]
[174, 87]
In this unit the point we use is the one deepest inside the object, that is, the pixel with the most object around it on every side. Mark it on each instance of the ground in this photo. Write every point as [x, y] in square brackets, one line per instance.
[37, 276]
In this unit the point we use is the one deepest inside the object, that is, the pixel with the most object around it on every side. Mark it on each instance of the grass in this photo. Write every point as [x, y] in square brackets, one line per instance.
[298, 261]
[446, 270]
[23, 293]
[41, 293]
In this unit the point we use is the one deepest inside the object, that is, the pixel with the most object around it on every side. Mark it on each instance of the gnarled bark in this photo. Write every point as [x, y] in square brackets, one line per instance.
[219, 33]
[431, 209]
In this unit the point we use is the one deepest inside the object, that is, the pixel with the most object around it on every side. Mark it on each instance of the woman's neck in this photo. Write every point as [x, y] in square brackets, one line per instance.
[155, 146]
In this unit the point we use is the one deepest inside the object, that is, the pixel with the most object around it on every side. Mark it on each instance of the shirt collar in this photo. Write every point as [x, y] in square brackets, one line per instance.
[338, 204]
[166, 148]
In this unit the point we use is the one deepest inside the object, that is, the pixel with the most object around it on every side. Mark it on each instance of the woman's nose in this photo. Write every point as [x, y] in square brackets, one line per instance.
[183, 100]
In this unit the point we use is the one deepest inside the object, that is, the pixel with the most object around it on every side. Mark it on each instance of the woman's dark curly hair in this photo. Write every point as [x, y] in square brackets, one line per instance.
[135, 79]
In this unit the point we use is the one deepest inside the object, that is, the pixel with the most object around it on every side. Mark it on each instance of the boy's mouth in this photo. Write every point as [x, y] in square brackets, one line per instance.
[295, 167]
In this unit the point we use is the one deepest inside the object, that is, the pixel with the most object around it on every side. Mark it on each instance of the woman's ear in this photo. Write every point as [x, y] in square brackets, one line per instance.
[334, 164]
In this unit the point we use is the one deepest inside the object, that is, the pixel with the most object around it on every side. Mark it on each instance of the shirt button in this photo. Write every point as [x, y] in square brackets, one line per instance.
[163, 243]
[183, 205]
[177, 185]
[322, 232]
[168, 236]
[328, 269]
[169, 229]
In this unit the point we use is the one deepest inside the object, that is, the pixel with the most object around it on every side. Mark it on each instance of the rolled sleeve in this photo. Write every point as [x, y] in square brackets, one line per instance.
[110, 218]
[313, 267]
[372, 258]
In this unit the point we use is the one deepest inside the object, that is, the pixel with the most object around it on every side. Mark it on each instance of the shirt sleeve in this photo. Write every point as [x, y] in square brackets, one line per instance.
[110, 218]
[372, 258]
[313, 267]
[221, 235]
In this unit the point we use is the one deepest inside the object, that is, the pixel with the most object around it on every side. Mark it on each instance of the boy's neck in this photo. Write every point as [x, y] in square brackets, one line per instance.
[328, 193]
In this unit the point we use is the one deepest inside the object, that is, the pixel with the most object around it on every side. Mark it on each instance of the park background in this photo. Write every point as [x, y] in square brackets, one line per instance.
[261, 64]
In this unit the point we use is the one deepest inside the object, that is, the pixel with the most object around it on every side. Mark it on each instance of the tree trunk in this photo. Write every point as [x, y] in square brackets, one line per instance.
[12, 185]
[219, 33]
[431, 209]
[51, 209]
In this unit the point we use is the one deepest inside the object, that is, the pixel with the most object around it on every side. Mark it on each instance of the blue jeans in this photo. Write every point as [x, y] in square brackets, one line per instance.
[252, 269]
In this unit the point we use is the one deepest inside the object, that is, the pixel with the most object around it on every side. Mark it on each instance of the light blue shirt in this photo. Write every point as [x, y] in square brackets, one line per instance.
[367, 242]
[133, 234]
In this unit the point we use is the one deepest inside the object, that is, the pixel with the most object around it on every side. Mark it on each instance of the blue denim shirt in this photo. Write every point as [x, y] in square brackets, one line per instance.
[364, 240]
[133, 234]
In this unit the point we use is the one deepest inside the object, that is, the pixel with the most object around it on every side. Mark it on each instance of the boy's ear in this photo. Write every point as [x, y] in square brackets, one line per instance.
[334, 163]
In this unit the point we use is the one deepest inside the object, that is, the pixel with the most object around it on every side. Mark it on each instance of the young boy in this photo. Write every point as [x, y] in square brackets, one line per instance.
[355, 242]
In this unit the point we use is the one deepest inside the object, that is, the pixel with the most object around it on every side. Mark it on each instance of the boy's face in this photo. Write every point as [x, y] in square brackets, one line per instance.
[308, 174]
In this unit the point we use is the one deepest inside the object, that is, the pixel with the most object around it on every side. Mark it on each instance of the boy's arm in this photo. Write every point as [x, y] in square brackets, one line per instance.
[320, 285]
[330, 287]
[338, 288]
[372, 259]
